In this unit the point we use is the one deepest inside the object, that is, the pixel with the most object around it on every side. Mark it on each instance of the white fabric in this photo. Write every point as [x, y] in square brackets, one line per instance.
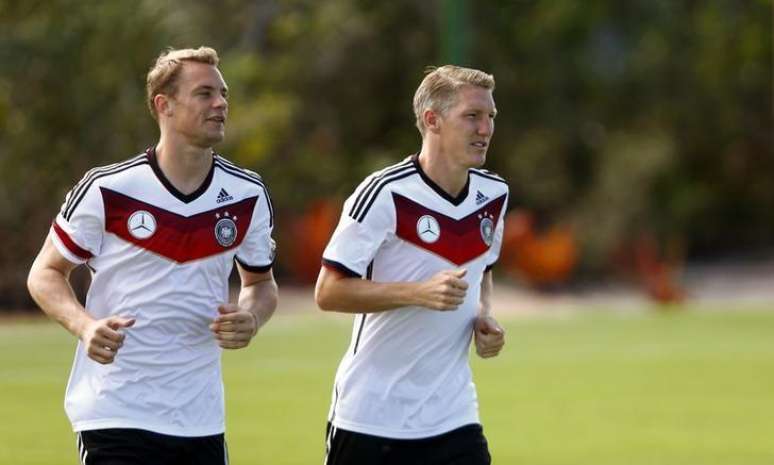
[167, 376]
[406, 373]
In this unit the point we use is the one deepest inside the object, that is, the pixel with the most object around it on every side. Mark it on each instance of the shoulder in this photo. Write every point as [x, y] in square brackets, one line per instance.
[99, 176]
[238, 173]
[373, 185]
[490, 177]
[107, 173]
[114, 170]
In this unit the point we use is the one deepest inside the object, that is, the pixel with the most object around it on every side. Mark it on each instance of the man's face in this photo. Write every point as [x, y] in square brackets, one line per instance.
[466, 128]
[200, 106]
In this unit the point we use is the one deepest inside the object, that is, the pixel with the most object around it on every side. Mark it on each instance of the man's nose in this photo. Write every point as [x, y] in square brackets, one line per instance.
[486, 127]
[221, 102]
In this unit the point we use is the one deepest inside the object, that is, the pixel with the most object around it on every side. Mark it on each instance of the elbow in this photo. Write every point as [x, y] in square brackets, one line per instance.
[323, 298]
[331, 291]
[32, 283]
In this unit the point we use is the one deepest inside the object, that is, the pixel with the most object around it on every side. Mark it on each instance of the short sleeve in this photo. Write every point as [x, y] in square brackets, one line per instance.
[78, 229]
[494, 251]
[358, 237]
[257, 252]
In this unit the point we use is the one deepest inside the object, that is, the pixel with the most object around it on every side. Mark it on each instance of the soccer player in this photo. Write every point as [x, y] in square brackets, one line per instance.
[412, 257]
[159, 233]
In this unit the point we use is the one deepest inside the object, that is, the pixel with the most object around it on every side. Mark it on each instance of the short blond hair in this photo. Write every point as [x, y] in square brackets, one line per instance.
[164, 74]
[438, 90]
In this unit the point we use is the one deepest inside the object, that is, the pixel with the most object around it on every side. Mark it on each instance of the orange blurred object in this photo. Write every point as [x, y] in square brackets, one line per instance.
[540, 258]
[311, 232]
[655, 273]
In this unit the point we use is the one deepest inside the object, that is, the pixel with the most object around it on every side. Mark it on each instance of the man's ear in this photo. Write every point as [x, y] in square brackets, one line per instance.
[432, 121]
[164, 105]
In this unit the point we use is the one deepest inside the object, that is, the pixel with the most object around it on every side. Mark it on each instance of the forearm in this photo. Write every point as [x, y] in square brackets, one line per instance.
[260, 299]
[355, 295]
[52, 292]
[487, 287]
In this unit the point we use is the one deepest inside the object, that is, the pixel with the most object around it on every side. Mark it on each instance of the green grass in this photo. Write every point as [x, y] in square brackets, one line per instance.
[634, 388]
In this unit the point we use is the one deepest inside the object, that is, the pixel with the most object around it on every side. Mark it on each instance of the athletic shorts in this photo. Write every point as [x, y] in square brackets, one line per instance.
[462, 446]
[124, 446]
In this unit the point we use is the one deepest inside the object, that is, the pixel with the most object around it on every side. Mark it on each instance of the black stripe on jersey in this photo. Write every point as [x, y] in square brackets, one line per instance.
[340, 268]
[235, 170]
[381, 185]
[255, 179]
[375, 178]
[245, 171]
[254, 269]
[94, 171]
[368, 187]
[369, 275]
[76, 190]
[400, 175]
[76, 199]
[335, 403]
[488, 175]
[359, 332]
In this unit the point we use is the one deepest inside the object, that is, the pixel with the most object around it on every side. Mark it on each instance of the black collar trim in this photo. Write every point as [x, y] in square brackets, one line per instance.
[187, 198]
[438, 189]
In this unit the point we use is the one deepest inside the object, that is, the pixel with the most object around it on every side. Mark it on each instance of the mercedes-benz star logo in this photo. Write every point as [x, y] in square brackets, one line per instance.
[428, 229]
[141, 224]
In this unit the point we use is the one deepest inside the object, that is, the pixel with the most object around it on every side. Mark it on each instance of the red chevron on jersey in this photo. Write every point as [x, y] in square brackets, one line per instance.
[458, 241]
[173, 236]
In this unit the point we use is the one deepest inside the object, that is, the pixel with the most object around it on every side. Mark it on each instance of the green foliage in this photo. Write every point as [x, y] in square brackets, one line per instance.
[581, 85]
[73, 98]
[637, 116]
[589, 387]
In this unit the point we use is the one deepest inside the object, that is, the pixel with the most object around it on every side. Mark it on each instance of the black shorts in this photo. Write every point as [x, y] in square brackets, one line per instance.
[462, 446]
[124, 446]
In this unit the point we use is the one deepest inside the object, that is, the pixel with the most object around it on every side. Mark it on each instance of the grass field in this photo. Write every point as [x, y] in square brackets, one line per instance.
[589, 387]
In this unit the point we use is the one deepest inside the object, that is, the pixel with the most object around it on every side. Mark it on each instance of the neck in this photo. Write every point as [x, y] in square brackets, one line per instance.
[449, 176]
[184, 165]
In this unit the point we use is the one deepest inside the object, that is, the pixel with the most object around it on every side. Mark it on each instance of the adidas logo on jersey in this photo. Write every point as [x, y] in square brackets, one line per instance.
[480, 198]
[223, 196]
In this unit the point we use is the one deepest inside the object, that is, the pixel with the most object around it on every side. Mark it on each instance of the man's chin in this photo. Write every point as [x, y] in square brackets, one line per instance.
[477, 160]
[210, 140]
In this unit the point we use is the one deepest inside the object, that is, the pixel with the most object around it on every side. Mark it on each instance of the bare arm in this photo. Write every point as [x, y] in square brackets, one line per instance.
[48, 283]
[489, 336]
[49, 286]
[337, 292]
[238, 323]
[487, 287]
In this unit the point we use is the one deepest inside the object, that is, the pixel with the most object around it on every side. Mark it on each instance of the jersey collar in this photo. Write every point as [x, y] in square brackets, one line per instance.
[438, 189]
[187, 198]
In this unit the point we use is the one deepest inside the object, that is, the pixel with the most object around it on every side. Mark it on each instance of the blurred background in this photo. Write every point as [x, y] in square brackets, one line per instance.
[636, 137]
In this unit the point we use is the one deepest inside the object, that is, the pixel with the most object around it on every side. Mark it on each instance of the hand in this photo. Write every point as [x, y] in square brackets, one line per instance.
[102, 338]
[444, 291]
[489, 336]
[234, 328]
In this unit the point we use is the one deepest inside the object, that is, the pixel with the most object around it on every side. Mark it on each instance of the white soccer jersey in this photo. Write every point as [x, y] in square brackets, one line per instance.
[163, 258]
[406, 373]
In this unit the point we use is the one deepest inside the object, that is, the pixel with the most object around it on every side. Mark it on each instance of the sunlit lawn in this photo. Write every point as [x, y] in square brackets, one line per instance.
[589, 387]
